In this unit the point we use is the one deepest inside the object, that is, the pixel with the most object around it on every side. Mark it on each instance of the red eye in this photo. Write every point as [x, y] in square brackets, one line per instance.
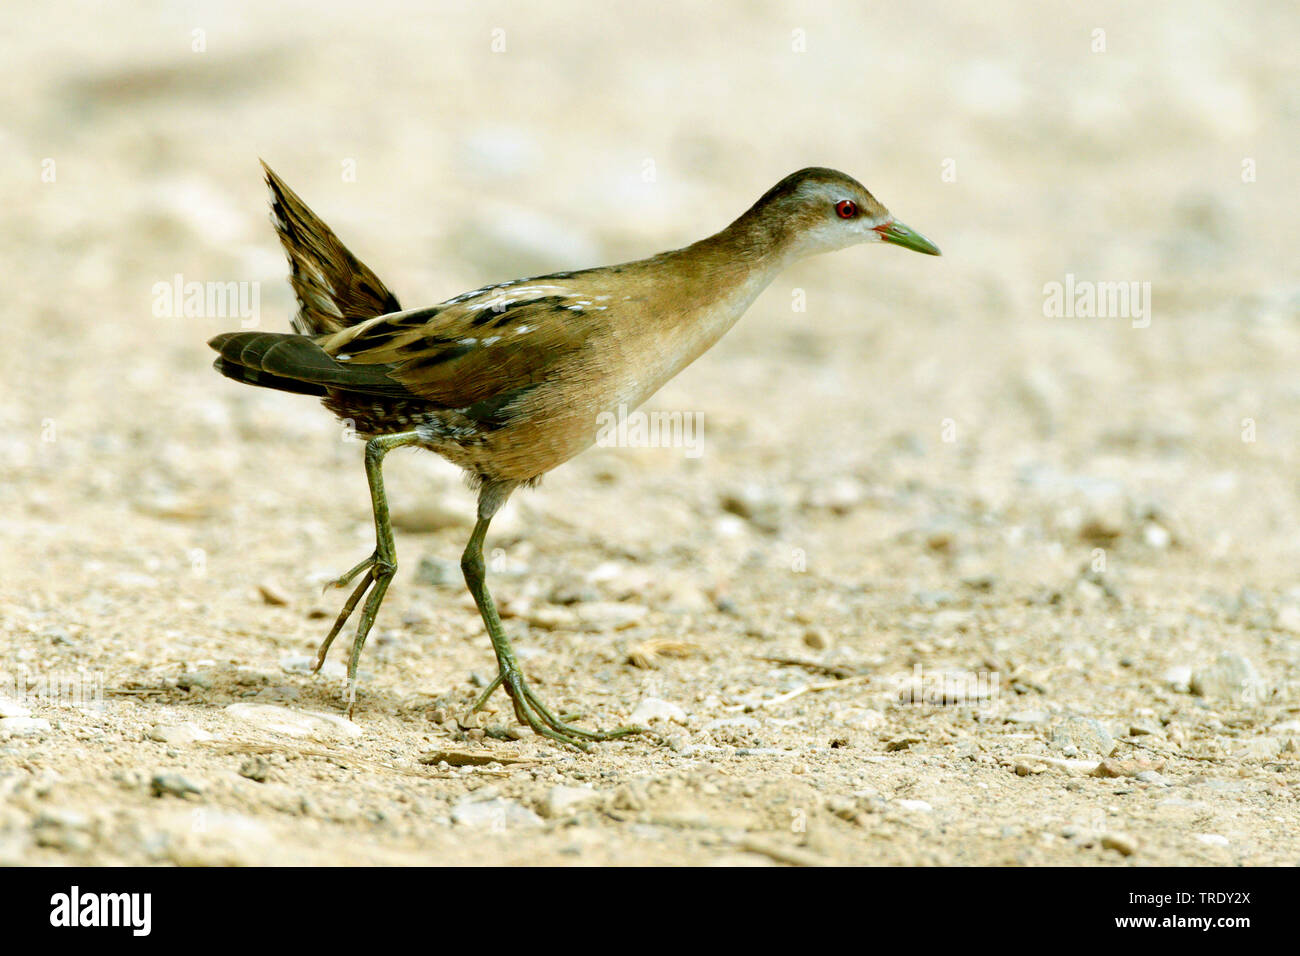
[846, 208]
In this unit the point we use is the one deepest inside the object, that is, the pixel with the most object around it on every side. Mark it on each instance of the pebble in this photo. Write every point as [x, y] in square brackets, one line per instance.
[652, 709]
[757, 505]
[1212, 839]
[1156, 536]
[1153, 777]
[562, 801]
[178, 734]
[63, 830]
[294, 723]
[1287, 618]
[1027, 717]
[272, 594]
[1120, 842]
[552, 618]
[24, 727]
[1026, 764]
[1230, 677]
[11, 708]
[496, 813]
[840, 494]
[1178, 677]
[215, 839]
[917, 806]
[1261, 747]
[1086, 735]
[255, 768]
[173, 785]
[816, 638]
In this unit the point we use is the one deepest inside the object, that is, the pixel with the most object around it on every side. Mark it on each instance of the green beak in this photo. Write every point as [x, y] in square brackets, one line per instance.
[900, 235]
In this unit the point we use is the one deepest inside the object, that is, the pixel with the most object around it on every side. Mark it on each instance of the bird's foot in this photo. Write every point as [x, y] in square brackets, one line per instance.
[346, 578]
[530, 710]
[377, 571]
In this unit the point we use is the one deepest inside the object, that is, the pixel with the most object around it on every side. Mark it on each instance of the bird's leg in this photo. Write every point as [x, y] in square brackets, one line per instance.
[528, 707]
[381, 566]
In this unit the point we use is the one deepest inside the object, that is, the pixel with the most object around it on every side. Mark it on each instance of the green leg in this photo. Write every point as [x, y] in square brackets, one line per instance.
[529, 709]
[380, 566]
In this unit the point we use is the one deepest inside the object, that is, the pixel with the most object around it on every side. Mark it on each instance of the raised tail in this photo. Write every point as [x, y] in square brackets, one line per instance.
[335, 289]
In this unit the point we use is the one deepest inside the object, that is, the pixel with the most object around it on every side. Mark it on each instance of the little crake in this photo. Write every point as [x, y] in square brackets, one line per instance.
[510, 380]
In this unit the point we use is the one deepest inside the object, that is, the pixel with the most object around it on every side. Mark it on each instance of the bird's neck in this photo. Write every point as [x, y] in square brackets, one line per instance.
[721, 276]
[702, 290]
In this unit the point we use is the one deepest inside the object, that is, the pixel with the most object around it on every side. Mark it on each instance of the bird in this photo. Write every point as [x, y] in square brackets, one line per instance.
[509, 381]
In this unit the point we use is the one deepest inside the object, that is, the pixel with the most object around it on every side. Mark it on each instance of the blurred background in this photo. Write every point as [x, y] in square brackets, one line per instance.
[921, 435]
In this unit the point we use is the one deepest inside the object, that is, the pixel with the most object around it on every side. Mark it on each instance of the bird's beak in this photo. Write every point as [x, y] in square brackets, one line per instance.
[900, 235]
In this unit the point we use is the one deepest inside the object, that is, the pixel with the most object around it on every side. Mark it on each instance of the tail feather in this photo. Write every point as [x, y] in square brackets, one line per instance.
[335, 289]
[296, 363]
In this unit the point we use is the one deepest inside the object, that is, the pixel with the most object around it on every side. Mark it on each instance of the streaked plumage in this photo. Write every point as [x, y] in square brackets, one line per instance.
[510, 380]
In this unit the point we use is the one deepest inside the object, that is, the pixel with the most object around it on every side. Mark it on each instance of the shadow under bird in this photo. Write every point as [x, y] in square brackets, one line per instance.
[509, 381]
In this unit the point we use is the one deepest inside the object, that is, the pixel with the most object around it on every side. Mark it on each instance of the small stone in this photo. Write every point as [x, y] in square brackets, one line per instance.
[840, 494]
[916, 806]
[1261, 747]
[1028, 718]
[1120, 842]
[1178, 677]
[1212, 839]
[65, 830]
[11, 708]
[816, 638]
[496, 814]
[652, 708]
[255, 768]
[1085, 735]
[1287, 618]
[562, 801]
[756, 504]
[272, 594]
[1156, 536]
[1153, 777]
[173, 785]
[903, 742]
[178, 734]
[294, 723]
[24, 727]
[1026, 764]
[551, 618]
[1230, 677]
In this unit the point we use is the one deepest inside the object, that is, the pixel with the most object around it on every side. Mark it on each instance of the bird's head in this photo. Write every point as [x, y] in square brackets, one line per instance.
[821, 210]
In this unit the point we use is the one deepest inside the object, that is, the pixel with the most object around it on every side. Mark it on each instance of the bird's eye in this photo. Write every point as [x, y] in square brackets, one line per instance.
[846, 208]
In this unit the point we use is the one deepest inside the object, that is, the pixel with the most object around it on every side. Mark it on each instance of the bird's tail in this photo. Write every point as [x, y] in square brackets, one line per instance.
[335, 289]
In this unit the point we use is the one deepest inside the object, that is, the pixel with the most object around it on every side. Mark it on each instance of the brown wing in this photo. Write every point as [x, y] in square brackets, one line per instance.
[479, 347]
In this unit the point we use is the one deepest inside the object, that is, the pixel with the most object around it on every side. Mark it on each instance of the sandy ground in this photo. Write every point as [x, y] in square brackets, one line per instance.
[953, 581]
